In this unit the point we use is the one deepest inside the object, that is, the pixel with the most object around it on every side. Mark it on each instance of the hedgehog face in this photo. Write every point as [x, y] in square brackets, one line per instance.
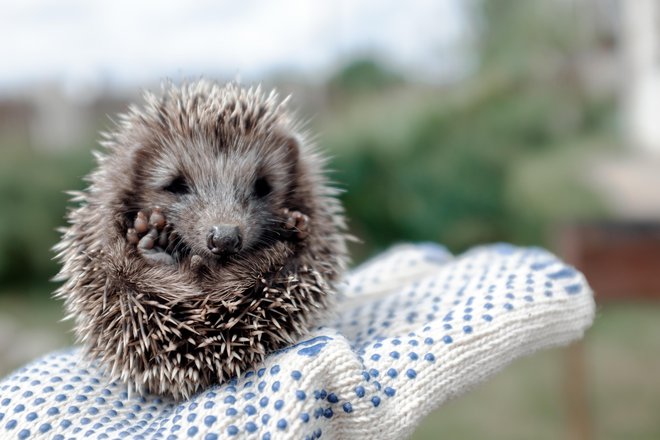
[221, 200]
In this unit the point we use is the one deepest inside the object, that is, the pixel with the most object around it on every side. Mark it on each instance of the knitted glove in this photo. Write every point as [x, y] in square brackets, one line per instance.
[416, 327]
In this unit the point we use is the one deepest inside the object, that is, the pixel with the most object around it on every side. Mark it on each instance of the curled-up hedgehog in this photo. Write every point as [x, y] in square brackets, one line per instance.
[208, 237]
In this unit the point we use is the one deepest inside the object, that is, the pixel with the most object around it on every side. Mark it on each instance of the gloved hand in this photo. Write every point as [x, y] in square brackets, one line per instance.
[414, 327]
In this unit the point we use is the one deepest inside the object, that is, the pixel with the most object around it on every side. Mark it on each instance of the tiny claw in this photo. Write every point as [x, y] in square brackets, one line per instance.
[301, 221]
[141, 223]
[296, 223]
[132, 236]
[157, 218]
[148, 241]
[163, 238]
[196, 262]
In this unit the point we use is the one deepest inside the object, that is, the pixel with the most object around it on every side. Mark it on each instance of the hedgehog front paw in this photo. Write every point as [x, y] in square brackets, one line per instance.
[296, 223]
[151, 235]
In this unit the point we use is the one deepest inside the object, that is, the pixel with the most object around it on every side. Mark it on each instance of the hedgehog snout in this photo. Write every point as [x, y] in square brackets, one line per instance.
[224, 239]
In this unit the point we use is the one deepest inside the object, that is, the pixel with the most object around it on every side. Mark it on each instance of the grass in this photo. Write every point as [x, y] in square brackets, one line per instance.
[526, 400]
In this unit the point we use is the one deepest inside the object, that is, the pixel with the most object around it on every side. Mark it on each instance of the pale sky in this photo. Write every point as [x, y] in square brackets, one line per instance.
[128, 43]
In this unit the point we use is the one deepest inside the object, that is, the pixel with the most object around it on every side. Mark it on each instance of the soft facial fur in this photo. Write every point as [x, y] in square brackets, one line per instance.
[206, 155]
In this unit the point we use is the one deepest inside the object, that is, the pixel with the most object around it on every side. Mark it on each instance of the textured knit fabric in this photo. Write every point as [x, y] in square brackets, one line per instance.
[415, 327]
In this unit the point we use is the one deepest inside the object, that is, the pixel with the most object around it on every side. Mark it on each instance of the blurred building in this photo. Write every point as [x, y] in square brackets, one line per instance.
[629, 182]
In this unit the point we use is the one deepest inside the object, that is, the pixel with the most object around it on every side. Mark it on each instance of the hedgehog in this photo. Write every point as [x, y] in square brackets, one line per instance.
[209, 235]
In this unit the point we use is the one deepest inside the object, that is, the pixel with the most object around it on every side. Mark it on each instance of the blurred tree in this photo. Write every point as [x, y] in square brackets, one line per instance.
[363, 74]
[451, 168]
[32, 193]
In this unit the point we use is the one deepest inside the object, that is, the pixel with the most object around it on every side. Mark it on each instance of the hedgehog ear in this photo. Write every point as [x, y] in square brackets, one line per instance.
[290, 143]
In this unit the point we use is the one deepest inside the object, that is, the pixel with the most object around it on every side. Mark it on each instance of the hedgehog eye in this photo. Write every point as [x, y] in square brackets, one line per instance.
[178, 186]
[262, 187]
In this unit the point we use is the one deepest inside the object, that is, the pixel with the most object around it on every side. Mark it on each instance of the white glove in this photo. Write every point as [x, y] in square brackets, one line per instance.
[415, 327]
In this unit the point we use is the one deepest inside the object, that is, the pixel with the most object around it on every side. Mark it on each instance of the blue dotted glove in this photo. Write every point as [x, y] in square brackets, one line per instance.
[415, 327]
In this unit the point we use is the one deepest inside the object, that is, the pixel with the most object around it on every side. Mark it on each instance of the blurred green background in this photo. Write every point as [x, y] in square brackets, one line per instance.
[497, 155]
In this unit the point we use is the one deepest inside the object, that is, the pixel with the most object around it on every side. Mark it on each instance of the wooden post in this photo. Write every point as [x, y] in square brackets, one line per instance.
[569, 243]
[577, 402]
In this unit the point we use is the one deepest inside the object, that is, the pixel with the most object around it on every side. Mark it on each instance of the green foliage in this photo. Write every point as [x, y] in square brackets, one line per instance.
[447, 175]
[492, 159]
[33, 202]
[363, 75]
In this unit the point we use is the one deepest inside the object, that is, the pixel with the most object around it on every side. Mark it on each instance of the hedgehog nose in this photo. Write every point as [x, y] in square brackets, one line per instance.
[224, 239]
